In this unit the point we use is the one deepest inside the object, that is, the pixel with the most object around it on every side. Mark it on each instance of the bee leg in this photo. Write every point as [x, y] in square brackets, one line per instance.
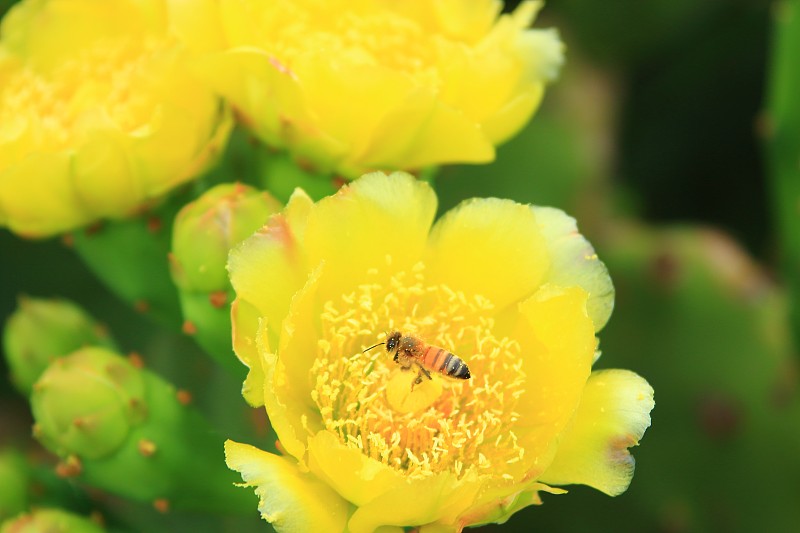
[422, 371]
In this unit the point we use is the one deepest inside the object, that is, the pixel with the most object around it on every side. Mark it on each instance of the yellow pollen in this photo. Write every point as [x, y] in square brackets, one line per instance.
[449, 425]
[108, 82]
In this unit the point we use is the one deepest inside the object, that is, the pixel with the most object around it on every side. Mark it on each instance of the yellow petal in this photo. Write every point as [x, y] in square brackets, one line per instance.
[291, 501]
[439, 498]
[510, 118]
[489, 247]
[375, 219]
[558, 346]
[37, 196]
[357, 477]
[244, 325]
[574, 262]
[424, 131]
[269, 267]
[104, 154]
[497, 504]
[613, 415]
[287, 406]
[298, 339]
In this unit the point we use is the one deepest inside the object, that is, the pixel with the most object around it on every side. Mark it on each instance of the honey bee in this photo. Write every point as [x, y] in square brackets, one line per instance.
[409, 351]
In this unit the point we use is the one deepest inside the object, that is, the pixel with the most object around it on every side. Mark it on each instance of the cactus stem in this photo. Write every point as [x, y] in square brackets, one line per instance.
[147, 447]
[184, 396]
[141, 306]
[218, 299]
[161, 505]
[69, 467]
[189, 328]
[135, 359]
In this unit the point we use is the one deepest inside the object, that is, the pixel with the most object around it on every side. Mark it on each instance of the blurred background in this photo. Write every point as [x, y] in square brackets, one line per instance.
[655, 140]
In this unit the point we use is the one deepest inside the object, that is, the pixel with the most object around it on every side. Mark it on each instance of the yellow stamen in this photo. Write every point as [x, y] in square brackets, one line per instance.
[443, 425]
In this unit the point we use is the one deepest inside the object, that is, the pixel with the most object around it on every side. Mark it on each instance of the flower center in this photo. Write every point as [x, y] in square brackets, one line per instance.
[443, 424]
[109, 81]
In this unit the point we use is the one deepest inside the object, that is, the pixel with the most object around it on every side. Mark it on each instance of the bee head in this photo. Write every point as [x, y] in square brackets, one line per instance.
[393, 341]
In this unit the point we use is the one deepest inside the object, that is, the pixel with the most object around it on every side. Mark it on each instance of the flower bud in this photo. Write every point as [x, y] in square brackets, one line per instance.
[50, 521]
[206, 229]
[41, 330]
[86, 403]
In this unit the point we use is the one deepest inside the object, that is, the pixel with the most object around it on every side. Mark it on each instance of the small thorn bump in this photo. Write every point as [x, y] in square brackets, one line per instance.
[141, 306]
[154, 224]
[189, 328]
[135, 359]
[218, 299]
[161, 505]
[184, 396]
[147, 447]
[69, 467]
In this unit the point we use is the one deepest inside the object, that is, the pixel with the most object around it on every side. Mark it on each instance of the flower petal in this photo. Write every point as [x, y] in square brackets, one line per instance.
[489, 247]
[376, 219]
[354, 475]
[244, 326]
[613, 415]
[575, 263]
[558, 346]
[413, 133]
[286, 405]
[269, 267]
[37, 195]
[439, 498]
[288, 499]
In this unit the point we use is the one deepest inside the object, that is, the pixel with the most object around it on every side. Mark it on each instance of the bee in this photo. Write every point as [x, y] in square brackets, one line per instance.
[409, 351]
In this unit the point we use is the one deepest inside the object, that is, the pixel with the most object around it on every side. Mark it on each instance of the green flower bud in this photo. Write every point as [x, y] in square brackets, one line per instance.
[14, 477]
[50, 521]
[125, 430]
[40, 330]
[203, 234]
[86, 403]
[206, 229]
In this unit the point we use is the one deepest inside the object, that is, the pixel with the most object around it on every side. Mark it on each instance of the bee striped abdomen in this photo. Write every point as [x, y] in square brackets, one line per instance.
[444, 362]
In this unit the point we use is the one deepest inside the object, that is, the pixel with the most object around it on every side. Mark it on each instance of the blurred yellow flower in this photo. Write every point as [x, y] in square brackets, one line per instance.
[351, 86]
[514, 290]
[98, 115]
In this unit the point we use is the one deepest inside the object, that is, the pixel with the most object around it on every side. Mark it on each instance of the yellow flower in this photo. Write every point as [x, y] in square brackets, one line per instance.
[98, 115]
[513, 290]
[372, 85]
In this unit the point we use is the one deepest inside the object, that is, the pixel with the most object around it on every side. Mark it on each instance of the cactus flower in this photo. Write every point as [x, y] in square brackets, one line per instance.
[41, 330]
[202, 236]
[349, 87]
[513, 290]
[98, 114]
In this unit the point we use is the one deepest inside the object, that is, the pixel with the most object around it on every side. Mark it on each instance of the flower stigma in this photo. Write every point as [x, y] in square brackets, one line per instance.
[439, 425]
